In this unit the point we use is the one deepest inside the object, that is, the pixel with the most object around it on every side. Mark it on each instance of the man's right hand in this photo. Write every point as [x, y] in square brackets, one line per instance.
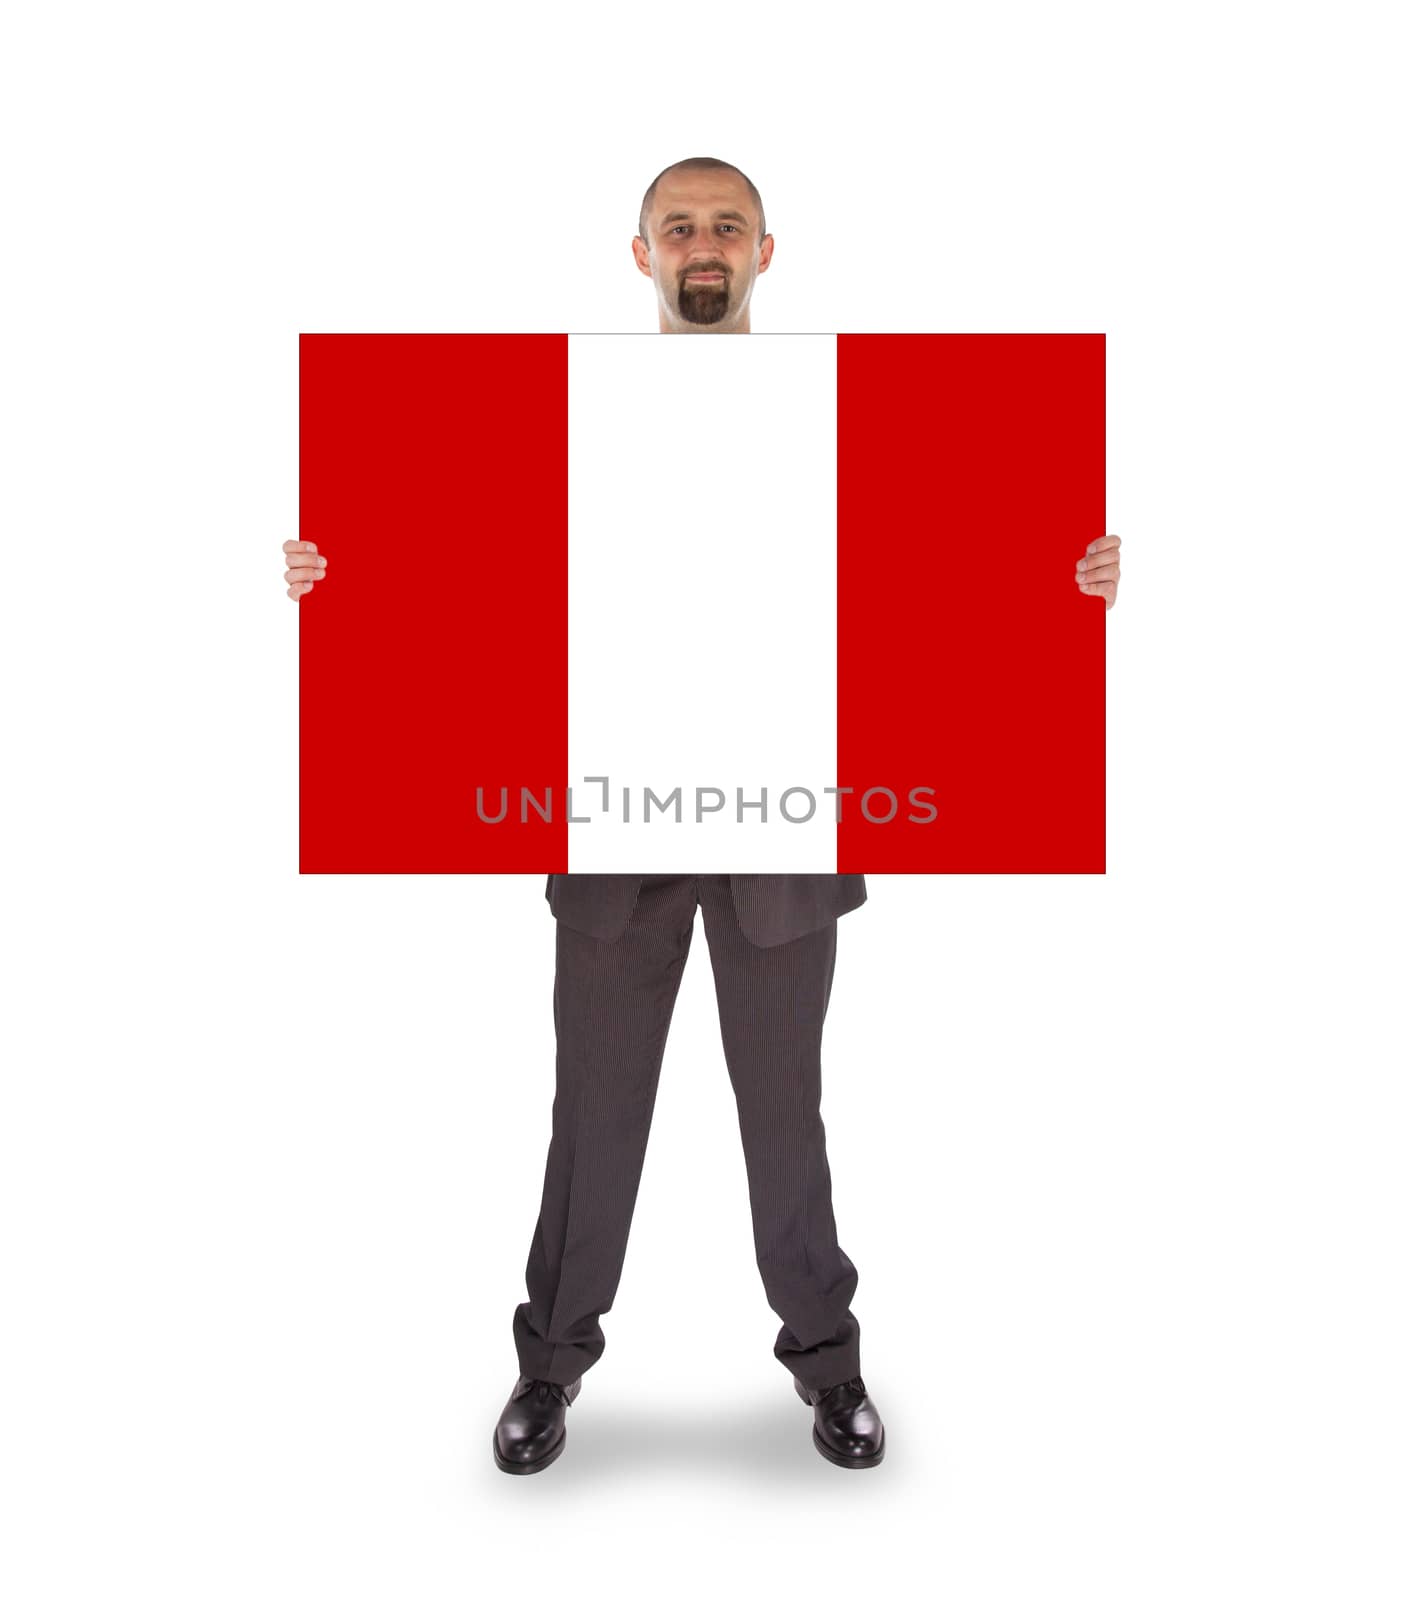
[305, 567]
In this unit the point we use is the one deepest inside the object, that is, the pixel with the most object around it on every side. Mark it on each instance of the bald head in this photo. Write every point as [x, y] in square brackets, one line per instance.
[698, 164]
[702, 239]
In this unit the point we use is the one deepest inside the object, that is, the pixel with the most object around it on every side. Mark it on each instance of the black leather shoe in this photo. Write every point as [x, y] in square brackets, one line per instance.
[848, 1430]
[531, 1431]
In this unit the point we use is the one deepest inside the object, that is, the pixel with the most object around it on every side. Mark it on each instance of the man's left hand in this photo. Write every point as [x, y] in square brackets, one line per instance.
[1099, 570]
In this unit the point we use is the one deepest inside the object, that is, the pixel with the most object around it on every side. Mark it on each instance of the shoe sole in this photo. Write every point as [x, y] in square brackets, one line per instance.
[843, 1460]
[519, 1468]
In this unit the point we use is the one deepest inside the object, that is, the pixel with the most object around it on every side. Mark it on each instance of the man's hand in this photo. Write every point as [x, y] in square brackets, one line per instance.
[305, 566]
[1099, 570]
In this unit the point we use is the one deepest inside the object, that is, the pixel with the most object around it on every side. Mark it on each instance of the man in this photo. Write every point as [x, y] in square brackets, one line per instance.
[621, 945]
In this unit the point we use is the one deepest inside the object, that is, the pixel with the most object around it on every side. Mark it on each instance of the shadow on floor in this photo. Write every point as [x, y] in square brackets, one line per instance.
[769, 1443]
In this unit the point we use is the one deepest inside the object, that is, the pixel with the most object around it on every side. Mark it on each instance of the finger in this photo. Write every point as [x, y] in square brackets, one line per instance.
[1109, 541]
[1104, 558]
[294, 546]
[1104, 589]
[307, 575]
[297, 590]
[307, 566]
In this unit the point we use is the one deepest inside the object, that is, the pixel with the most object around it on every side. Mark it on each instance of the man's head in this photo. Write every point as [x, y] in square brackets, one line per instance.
[702, 239]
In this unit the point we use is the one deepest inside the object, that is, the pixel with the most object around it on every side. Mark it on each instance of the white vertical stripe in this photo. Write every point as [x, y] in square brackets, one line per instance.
[702, 596]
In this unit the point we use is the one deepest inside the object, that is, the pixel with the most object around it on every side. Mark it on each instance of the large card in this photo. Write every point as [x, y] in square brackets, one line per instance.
[629, 603]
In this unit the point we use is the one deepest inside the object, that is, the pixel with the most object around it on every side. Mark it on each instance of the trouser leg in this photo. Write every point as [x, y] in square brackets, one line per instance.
[612, 1003]
[772, 1005]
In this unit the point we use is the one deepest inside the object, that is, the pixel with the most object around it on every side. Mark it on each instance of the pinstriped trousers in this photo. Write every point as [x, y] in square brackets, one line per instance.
[613, 1001]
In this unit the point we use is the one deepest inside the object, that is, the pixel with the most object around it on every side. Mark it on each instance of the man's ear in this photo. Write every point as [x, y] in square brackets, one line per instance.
[641, 256]
[767, 245]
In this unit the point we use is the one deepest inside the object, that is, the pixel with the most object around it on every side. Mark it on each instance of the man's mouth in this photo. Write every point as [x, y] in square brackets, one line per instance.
[704, 277]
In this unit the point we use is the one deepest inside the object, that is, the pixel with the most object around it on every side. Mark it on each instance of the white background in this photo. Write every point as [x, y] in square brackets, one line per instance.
[1118, 1159]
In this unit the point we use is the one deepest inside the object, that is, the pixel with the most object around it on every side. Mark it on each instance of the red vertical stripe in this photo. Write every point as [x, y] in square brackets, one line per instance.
[971, 479]
[433, 655]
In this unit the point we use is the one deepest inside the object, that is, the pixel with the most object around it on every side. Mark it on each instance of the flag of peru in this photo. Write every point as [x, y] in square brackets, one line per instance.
[631, 603]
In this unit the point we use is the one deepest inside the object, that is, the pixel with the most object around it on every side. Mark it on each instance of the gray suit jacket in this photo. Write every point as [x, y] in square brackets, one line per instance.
[770, 909]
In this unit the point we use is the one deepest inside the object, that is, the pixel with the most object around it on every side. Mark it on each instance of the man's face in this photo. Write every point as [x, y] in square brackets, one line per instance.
[704, 249]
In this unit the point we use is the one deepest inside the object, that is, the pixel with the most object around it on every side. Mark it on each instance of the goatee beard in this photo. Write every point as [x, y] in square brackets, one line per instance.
[705, 304]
